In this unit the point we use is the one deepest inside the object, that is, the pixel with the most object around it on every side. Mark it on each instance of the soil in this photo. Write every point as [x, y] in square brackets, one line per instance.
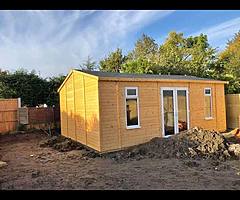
[34, 162]
[195, 143]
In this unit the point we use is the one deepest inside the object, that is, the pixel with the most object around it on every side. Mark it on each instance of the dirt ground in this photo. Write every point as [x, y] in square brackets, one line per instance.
[33, 167]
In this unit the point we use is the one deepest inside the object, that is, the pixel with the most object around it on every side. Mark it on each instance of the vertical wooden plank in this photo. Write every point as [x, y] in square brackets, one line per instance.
[85, 115]
[233, 110]
[74, 100]
[8, 115]
[215, 102]
[159, 114]
[66, 90]
[118, 116]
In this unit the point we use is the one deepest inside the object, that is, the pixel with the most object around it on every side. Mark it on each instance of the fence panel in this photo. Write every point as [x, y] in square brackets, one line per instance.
[40, 118]
[23, 115]
[40, 115]
[233, 110]
[8, 115]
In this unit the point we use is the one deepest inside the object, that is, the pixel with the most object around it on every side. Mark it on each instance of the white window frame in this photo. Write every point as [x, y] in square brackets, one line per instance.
[132, 97]
[211, 103]
[175, 107]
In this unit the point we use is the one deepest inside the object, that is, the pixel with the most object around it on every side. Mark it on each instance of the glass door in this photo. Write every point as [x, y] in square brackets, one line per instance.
[168, 112]
[182, 110]
[175, 113]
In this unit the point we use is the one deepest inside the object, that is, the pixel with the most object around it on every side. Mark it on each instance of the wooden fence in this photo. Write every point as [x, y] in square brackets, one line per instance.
[233, 110]
[40, 118]
[9, 114]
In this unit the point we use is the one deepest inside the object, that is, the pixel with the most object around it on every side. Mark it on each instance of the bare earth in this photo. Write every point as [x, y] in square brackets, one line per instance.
[32, 167]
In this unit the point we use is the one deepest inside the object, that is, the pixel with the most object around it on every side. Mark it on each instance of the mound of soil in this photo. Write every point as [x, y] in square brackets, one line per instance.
[61, 143]
[64, 144]
[194, 143]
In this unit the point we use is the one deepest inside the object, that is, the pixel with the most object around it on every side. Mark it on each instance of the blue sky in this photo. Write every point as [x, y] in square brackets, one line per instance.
[53, 42]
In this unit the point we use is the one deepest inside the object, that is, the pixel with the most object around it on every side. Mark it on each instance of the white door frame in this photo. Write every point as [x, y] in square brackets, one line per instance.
[175, 107]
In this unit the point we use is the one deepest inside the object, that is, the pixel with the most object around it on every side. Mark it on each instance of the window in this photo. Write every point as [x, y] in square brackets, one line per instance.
[132, 107]
[208, 103]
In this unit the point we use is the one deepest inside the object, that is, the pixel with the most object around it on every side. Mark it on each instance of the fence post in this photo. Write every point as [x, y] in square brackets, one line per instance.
[18, 115]
[19, 102]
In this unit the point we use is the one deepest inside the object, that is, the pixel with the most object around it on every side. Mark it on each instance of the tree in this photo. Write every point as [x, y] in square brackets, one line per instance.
[229, 61]
[32, 89]
[113, 63]
[54, 83]
[145, 48]
[140, 65]
[89, 64]
[28, 86]
[190, 56]
[141, 58]
[172, 55]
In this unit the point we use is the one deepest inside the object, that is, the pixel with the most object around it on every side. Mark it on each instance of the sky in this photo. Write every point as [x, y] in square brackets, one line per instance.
[54, 42]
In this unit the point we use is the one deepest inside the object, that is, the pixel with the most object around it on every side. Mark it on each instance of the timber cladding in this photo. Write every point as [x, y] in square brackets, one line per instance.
[79, 107]
[233, 110]
[8, 115]
[93, 109]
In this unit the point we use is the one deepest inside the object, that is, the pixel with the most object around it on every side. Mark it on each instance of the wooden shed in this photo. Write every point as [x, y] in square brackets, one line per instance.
[110, 111]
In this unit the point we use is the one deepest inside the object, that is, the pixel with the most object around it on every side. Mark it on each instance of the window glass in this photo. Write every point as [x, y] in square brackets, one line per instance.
[207, 103]
[208, 106]
[182, 109]
[131, 112]
[131, 92]
[207, 91]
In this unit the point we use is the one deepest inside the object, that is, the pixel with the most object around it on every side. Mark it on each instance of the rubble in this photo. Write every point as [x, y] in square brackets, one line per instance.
[2, 164]
[234, 150]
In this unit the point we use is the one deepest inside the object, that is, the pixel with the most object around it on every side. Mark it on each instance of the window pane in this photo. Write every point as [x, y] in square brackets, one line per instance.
[208, 106]
[207, 91]
[132, 112]
[182, 109]
[168, 112]
[131, 91]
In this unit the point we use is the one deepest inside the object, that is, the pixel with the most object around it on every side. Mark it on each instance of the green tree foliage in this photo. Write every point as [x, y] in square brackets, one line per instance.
[177, 55]
[32, 89]
[190, 56]
[181, 55]
[141, 59]
[145, 48]
[172, 55]
[89, 64]
[229, 64]
[113, 63]
[52, 94]
[139, 65]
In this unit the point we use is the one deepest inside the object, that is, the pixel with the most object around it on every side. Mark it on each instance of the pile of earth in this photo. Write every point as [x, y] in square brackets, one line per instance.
[64, 144]
[195, 143]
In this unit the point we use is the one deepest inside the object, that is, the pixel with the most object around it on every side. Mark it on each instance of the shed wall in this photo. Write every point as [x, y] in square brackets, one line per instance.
[114, 134]
[80, 110]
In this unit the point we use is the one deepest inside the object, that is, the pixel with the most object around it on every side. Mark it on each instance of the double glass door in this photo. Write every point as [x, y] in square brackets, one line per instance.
[175, 111]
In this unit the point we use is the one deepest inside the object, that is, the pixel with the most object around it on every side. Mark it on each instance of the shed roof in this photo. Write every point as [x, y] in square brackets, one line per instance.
[146, 76]
[114, 76]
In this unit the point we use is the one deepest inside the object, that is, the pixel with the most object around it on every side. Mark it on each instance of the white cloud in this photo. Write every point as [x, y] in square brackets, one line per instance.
[219, 34]
[54, 41]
